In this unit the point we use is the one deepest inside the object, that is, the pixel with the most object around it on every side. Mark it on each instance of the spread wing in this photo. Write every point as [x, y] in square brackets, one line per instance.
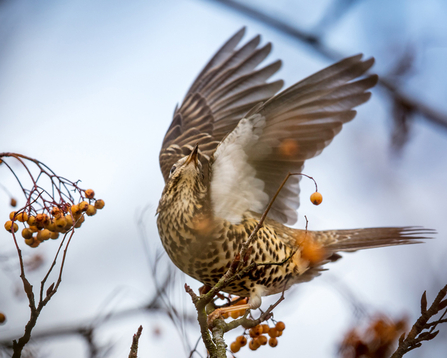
[277, 136]
[226, 89]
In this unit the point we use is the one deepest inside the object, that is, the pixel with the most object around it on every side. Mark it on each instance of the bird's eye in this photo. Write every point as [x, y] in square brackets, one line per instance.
[173, 169]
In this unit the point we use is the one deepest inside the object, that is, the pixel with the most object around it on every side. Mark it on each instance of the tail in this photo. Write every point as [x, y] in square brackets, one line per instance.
[359, 239]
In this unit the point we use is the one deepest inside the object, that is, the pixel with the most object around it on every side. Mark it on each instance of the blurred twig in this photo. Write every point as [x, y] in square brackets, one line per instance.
[162, 288]
[86, 330]
[333, 13]
[315, 42]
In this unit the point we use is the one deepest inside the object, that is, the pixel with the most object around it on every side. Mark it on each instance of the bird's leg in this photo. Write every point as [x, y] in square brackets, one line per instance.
[222, 310]
[219, 312]
[254, 302]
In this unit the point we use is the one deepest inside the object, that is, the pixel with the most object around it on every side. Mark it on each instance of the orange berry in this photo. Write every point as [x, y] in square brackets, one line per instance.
[69, 221]
[56, 212]
[79, 221]
[43, 235]
[91, 210]
[279, 333]
[27, 233]
[235, 347]
[12, 214]
[10, 227]
[29, 241]
[273, 332]
[253, 345]
[234, 314]
[50, 225]
[265, 328]
[83, 205]
[253, 333]
[89, 194]
[34, 228]
[241, 340]
[13, 202]
[225, 315]
[316, 198]
[75, 209]
[273, 342]
[99, 204]
[35, 243]
[31, 220]
[258, 330]
[77, 216]
[2, 318]
[54, 235]
[42, 220]
[262, 340]
[60, 223]
[280, 326]
[22, 217]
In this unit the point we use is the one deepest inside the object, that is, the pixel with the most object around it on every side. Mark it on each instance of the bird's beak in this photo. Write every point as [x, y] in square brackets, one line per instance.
[194, 156]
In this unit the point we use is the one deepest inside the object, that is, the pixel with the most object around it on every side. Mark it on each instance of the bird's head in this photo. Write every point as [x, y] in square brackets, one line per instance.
[186, 180]
[187, 169]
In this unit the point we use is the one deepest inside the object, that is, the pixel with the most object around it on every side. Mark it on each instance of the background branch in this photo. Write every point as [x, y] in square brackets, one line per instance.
[314, 41]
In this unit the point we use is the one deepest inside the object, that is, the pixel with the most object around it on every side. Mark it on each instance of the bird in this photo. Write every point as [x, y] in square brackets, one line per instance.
[231, 142]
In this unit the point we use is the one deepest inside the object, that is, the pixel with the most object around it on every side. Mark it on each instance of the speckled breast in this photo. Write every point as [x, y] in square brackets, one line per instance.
[205, 250]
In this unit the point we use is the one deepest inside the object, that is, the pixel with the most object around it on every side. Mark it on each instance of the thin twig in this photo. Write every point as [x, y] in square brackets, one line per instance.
[316, 43]
[416, 335]
[134, 347]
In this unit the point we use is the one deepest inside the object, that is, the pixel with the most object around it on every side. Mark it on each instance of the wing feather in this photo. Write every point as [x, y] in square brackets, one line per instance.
[244, 82]
[226, 89]
[249, 157]
[236, 185]
[299, 123]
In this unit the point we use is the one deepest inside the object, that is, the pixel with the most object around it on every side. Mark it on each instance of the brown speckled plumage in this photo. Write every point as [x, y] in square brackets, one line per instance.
[204, 246]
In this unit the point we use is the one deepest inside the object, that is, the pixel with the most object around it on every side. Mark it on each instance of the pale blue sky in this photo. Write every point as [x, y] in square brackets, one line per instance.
[89, 88]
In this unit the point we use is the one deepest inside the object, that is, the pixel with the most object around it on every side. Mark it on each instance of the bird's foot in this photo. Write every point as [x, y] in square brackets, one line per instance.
[221, 312]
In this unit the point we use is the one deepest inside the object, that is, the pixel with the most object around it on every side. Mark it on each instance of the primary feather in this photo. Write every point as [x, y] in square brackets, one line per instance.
[249, 167]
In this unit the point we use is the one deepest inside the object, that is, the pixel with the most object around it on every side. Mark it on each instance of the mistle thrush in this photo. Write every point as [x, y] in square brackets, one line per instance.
[230, 145]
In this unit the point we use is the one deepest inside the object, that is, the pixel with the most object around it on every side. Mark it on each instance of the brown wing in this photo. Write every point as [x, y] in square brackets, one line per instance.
[277, 136]
[301, 121]
[226, 89]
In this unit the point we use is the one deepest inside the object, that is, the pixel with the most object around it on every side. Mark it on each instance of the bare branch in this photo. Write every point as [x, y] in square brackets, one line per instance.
[316, 43]
[134, 347]
[417, 335]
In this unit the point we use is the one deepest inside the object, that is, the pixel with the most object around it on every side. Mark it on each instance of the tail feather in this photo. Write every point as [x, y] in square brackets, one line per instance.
[359, 239]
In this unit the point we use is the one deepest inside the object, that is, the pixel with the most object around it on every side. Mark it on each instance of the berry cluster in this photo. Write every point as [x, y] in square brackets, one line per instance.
[52, 221]
[258, 335]
[378, 339]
